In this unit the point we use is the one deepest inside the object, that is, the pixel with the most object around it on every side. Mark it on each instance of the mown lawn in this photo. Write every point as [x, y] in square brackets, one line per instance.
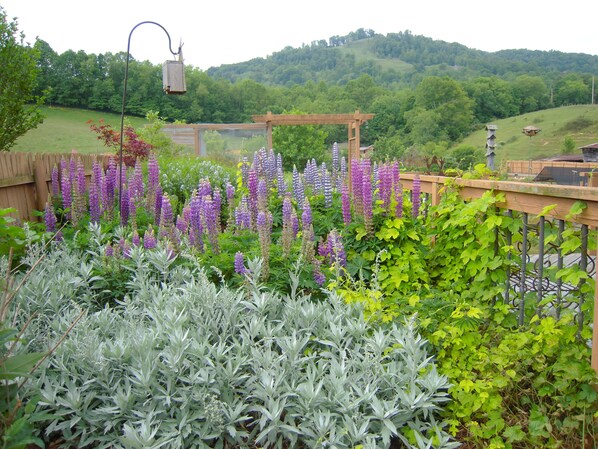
[66, 129]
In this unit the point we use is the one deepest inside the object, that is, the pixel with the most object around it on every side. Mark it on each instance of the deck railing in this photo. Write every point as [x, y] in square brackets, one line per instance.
[542, 209]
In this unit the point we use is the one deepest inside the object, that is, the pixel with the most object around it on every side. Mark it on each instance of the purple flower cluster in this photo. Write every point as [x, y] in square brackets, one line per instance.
[346, 205]
[240, 263]
[416, 196]
[242, 214]
[366, 192]
[55, 182]
[149, 239]
[298, 190]
[264, 230]
[357, 186]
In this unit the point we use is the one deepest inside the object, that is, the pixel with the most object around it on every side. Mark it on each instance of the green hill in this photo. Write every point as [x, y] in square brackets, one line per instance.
[580, 123]
[66, 129]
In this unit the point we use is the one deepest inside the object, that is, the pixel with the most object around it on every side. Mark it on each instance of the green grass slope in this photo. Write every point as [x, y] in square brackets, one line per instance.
[578, 122]
[362, 51]
[66, 129]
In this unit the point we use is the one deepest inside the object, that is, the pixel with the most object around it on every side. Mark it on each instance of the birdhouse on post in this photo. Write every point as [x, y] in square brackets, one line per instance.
[490, 145]
[173, 77]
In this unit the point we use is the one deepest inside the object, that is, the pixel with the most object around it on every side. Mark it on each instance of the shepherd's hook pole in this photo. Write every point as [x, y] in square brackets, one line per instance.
[122, 113]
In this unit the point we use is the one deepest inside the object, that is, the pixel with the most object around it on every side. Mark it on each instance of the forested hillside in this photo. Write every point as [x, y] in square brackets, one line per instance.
[384, 56]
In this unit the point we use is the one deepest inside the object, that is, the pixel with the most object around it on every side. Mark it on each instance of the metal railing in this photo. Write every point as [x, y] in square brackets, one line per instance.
[544, 218]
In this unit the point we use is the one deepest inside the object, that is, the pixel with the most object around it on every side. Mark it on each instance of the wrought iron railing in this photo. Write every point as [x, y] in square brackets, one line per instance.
[539, 259]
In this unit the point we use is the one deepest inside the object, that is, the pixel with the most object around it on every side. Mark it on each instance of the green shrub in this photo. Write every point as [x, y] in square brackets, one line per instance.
[183, 363]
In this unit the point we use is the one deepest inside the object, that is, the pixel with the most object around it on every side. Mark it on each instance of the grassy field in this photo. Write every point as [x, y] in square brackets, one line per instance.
[361, 49]
[578, 122]
[66, 129]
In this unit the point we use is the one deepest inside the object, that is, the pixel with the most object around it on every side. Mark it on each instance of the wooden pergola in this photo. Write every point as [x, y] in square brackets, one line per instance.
[353, 122]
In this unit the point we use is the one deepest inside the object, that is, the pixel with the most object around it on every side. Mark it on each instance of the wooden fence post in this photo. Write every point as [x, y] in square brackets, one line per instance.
[41, 183]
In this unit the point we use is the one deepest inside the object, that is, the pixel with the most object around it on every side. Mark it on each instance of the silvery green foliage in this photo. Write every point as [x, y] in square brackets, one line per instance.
[183, 363]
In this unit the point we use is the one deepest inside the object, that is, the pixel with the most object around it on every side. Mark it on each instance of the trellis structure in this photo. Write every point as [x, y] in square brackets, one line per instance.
[353, 122]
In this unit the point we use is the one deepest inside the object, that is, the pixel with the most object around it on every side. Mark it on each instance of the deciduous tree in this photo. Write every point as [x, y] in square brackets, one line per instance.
[18, 104]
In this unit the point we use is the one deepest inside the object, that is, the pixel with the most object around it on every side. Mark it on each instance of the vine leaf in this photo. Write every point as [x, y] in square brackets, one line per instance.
[546, 210]
[577, 208]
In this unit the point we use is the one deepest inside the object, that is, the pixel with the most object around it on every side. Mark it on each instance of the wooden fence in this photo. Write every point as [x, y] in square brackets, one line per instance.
[533, 168]
[25, 180]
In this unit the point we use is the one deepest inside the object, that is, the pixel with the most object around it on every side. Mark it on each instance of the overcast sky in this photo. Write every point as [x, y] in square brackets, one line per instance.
[228, 31]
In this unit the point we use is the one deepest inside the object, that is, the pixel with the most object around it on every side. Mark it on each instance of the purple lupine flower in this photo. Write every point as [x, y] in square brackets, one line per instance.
[158, 207]
[153, 173]
[281, 184]
[230, 193]
[166, 224]
[341, 176]
[73, 172]
[346, 204]
[95, 211]
[357, 186]
[240, 263]
[124, 207]
[308, 174]
[195, 225]
[399, 200]
[287, 225]
[287, 210]
[317, 179]
[242, 214]
[385, 186]
[81, 184]
[306, 218]
[264, 230]
[367, 197]
[335, 159]
[298, 190]
[181, 224]
[135, 239]
[136, 189]
[50, 217]
[149, 239]
[205, 188]
[278, 161]
[217, 207]
[262, 194]
[323, 250]
[153, 181]
[209, 215]
[55, 182]
[252, 186]
[67, 199]
[416, 196]
[272, 165]
[244, 171]
[319, 277]
[109, 250]
[97, 178]
[336, 249]
[327, 187]
[295, 220]
[109, 187]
